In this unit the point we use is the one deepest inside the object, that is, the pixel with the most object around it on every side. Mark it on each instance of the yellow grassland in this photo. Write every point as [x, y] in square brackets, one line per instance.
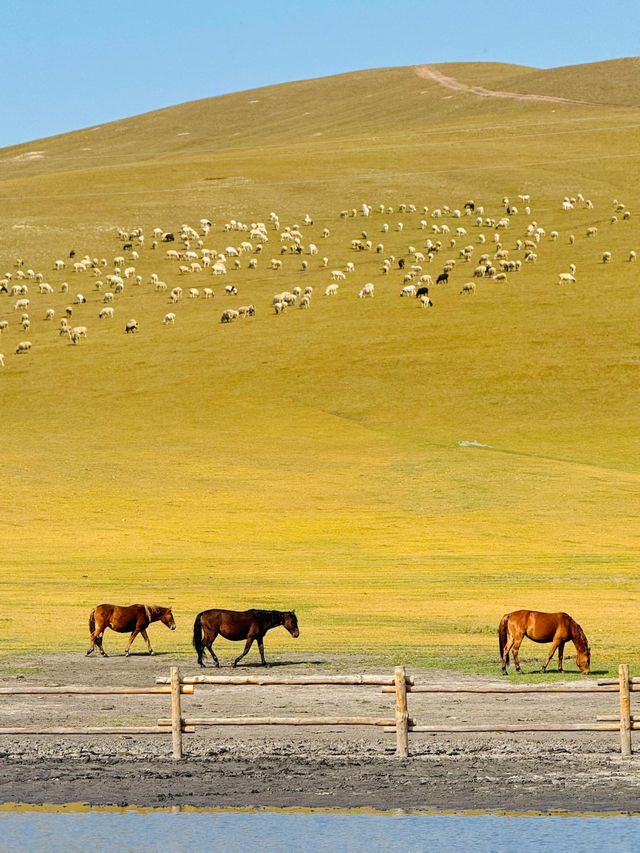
[312, 460]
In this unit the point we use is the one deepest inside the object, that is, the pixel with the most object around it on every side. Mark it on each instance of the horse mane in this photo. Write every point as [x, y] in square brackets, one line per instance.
[154, 610]
[577, 634]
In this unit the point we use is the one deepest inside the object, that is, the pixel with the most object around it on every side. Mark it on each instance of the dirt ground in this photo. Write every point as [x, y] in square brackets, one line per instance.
[338, 767]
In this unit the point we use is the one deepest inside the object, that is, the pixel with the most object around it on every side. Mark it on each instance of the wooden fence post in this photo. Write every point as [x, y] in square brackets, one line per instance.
[625, 710]
[402, 714]
[176, 714]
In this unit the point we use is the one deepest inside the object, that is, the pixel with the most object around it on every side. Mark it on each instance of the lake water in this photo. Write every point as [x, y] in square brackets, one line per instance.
[312, 832]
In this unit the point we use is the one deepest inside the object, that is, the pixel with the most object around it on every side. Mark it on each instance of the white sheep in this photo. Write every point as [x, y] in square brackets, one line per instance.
[606, 257]
[469, 287]
[632, 256]
[331, 290]
[131, 327]
[169, 319]
[279, 307]
[231, 289]
[408, 290]
[367, 291]
[566, 278]
[106, 312]
[194, 293]
[23, 346]
[4, 325]
[49, 314]
[338, 275]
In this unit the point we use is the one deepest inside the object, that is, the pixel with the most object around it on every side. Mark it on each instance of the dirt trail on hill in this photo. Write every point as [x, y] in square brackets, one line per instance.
[338, 766]
[429, 72]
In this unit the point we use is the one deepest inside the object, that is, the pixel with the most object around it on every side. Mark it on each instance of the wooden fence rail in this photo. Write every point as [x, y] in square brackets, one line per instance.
[400, 722]
[402, 685]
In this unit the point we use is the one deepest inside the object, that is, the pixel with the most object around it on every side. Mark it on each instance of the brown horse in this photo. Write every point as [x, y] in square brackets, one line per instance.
[135, 618]
[246, 625]
[555, 628]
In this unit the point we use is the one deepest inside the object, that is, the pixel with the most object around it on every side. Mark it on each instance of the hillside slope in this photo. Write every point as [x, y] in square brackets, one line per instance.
[402, 476]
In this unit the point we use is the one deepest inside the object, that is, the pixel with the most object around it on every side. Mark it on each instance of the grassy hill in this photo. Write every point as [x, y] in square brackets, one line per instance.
[314, 460]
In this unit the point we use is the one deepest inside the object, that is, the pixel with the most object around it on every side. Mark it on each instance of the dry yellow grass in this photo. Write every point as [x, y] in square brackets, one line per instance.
[313, 460]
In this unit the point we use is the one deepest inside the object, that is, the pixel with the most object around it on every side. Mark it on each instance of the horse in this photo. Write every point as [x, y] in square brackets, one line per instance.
[246, 625]
[135, 618]
[554, 628]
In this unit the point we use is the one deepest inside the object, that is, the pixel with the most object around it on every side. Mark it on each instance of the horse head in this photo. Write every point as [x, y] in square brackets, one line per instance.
[583, 660]
[167, 619]
[290, 622]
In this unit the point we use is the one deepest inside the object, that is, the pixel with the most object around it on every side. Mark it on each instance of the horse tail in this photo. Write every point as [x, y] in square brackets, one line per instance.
[92, 621]
[502, 636]
[198, 642]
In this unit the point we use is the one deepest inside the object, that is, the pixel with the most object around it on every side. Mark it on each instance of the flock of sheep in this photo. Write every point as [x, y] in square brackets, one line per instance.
[470, 240]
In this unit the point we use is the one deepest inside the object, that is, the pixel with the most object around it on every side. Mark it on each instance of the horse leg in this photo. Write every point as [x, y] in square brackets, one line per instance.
[134, 634]
[554, 646]
[145, 637]
[516, 653]
[505, 656]
[261, 647]
[247, 646]
[212, 653]
[560, 655]
[99, 644]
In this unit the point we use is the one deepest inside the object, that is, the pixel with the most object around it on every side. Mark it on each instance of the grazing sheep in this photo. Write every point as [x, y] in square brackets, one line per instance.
[74, 337]
[105, 312]
[80, 299]
[425, 302]
[49, 314]
[279, 307]
[501, 276]
[229, 315]
[219, 268]
[131, 327]
[572, 269]
[338, 275]
[468, 288]
[592, 231]
[169, 319]
[443, 278]
[176, 294]
[26, 324]
[68, 311]
[207, 293]
[21, 304]
[305, 302]
[331, 290]
[108, 297]
[367, 291]
[23, 346]
[606, 257]
[231, 290]
[194, 293]
[566, 278]
[247, 310]
[632, 256]
[276, 264]
[408, 290]
[4, 325]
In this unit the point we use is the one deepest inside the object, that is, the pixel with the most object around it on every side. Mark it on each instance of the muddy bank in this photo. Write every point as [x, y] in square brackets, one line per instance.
[286, 766]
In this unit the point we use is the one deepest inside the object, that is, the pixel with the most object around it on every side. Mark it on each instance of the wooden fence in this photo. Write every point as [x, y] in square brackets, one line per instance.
[400, 723]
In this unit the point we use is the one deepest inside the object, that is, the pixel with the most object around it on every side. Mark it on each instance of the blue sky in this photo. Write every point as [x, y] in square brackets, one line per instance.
[73, 63]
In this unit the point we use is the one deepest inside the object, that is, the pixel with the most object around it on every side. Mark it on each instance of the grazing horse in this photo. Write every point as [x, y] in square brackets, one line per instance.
[135, 618]
[246, 625]
[554, 628]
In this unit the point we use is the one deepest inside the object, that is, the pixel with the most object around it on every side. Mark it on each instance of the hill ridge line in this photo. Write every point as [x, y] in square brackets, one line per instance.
[430, 72]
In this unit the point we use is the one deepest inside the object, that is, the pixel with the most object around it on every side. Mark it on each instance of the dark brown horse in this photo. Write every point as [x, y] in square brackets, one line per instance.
[246, 625]
[135, 618]
[554, 628]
